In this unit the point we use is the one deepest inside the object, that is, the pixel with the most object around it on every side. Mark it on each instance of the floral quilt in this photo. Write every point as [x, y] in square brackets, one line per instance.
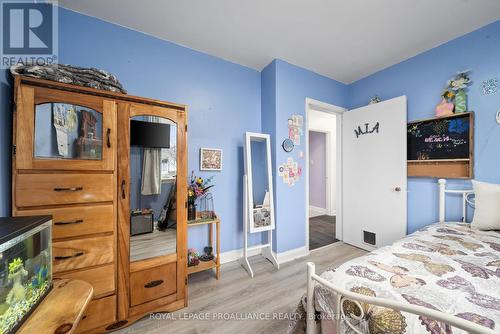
[447, 267]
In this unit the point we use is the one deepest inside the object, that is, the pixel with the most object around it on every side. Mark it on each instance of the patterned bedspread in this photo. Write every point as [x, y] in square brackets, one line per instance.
[450, 268]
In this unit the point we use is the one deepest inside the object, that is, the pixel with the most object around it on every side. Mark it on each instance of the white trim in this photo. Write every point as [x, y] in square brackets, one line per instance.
[236, 254]
[338, 111]
[283, 257]
[315, 211]
[292, 254]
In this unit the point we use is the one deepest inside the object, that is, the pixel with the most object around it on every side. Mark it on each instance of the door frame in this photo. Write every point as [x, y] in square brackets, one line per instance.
[338, 111]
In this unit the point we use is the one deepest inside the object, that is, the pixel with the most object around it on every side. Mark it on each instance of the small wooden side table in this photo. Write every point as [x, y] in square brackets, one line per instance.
[215, 263]
[61, 310]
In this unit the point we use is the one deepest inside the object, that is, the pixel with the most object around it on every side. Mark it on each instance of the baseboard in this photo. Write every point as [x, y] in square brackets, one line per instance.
[236, 254]
[315, 211]
[292, 254]
[282, 257]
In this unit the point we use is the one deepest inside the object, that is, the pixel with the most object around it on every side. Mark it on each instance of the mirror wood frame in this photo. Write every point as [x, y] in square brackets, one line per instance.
[127, 111]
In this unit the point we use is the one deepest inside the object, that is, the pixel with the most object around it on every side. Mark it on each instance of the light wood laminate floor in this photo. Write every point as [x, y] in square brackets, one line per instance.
[269, 291]
[156, 243]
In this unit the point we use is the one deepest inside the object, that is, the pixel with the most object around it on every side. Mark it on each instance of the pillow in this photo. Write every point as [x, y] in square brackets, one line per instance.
[487, 206]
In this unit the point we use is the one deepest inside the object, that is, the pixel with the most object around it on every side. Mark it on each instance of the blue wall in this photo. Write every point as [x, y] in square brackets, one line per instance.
[223, 99]
[422, 79]
[292, 86]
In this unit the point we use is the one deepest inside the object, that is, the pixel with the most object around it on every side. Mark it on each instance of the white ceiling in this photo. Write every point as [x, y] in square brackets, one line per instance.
[343, 39]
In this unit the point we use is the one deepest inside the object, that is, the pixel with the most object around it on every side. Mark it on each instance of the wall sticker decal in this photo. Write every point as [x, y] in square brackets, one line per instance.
[295, 123]
[359, 131]
[490, 86]
[290, 172]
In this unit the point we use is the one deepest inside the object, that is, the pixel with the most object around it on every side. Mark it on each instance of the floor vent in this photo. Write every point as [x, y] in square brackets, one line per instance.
[369, 238]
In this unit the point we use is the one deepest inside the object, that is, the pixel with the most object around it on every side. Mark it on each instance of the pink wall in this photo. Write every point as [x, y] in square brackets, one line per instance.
[317, 169]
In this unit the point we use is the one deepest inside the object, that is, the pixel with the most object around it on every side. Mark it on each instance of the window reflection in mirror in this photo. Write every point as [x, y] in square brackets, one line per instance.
[153, 169]
[67, 131]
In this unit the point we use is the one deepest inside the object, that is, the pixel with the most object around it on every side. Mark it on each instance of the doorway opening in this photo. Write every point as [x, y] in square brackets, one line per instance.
[323, 200]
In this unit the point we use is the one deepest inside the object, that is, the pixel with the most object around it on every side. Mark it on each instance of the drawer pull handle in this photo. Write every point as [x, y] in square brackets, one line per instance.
[69, 189]
[152, 284]
[69, 256]
[109, 137]
[78, 221]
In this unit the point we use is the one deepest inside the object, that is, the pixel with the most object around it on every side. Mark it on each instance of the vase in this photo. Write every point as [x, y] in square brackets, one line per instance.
[191, 211]
[460, 101]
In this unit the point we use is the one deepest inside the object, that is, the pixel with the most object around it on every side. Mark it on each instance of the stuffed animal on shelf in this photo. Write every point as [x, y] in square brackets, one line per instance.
[445, 107]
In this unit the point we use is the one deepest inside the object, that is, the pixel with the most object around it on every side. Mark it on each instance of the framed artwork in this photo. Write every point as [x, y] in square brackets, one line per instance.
[210, 159]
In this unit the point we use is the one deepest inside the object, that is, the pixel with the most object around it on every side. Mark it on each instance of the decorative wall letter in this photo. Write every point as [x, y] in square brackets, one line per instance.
[363, 131]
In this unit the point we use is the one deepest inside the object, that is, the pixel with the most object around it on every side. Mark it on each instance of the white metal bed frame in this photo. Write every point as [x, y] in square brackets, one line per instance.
[343, 294]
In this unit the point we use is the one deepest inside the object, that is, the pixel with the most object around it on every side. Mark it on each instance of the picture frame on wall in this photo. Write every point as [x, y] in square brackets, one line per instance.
[210, 159]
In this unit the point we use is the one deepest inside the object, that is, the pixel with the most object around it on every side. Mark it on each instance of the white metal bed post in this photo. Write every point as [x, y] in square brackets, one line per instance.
[310, 321]
[442, 199]
[344, 294]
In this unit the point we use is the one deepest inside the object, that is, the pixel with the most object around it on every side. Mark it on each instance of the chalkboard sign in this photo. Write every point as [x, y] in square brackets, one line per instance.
[440, 138]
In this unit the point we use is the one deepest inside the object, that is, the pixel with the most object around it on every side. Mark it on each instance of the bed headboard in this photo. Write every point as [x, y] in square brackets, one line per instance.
[465, 193]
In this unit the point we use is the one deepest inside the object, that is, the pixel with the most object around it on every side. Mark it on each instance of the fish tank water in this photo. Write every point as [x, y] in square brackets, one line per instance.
[25, 268]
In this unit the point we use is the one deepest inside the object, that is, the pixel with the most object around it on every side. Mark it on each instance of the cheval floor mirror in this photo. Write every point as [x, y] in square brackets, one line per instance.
[258, 201]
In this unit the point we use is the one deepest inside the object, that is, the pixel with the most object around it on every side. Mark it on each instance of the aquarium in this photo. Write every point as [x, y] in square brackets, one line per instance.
[25, 268]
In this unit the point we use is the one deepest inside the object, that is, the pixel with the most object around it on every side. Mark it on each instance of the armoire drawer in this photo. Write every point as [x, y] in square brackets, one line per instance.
[102, 278]
[77, 221]
[82, 253]
[153, 283]
[52, 189]
[99, 312]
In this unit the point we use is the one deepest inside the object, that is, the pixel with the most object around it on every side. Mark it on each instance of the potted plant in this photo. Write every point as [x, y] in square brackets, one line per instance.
[197, 187]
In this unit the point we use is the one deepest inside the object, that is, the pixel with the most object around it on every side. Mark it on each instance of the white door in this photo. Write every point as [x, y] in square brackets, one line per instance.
[374, 174]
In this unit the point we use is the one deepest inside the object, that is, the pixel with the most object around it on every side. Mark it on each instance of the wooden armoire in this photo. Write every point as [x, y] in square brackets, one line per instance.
[72, 159]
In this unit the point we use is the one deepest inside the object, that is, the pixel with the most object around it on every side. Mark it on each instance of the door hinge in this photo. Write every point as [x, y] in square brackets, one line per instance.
[186, 281]
[186, 204]
[186, 128]
[14, 149]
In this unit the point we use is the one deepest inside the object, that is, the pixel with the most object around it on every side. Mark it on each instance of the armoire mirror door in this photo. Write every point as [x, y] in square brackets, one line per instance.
[153, 166]
[152, 212]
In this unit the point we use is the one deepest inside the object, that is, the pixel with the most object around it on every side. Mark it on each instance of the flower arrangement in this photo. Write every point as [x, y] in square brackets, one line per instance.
[198, 187]
[193, 257]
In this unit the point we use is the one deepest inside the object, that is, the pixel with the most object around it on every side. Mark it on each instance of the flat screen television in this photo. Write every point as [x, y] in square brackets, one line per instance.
[148, 134]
